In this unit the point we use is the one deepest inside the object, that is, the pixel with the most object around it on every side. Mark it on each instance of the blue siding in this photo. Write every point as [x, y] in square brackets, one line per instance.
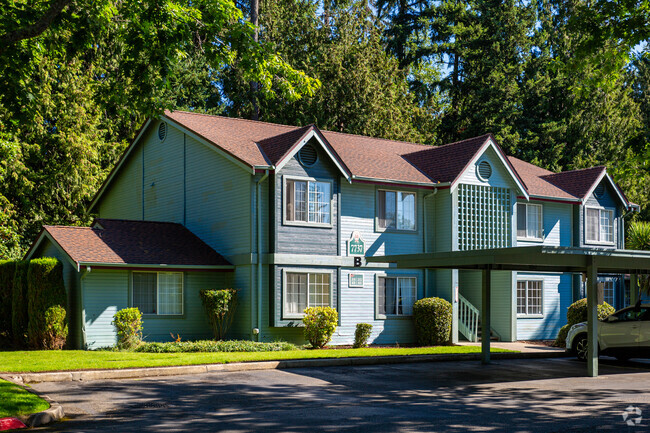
[556, 299]
[104, 293]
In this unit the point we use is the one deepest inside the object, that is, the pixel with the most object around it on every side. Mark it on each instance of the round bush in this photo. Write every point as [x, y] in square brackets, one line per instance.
[361, 335]
[432, 318]
[220, 306]
[577, 311]
[128, 323]
[560, 341]
[320, 324]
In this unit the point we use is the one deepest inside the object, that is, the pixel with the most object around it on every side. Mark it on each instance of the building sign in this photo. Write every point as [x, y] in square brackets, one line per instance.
[355, 280]
[356, 245]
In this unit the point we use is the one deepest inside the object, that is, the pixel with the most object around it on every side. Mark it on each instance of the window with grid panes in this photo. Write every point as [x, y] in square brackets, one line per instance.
[395, 296]
[308, 201]
[529, 297]
[608, 292]
[304, 290]
[158, 292]
[599, 225]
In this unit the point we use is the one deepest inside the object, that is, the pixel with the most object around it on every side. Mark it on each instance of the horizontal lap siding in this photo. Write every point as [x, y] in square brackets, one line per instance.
[123, 198]
[500, 176]
[104, 293]
[557, 225]
[556, 301]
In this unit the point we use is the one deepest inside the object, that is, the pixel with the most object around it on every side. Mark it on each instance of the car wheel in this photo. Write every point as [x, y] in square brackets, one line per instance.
[581, 347]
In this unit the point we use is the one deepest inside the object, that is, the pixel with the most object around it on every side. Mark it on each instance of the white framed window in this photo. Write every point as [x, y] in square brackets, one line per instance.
[608, 291]
[307, 202]
[529, 297]
[305, 289]
[395, 210]
[158, 293]
[530, 221]
[599, 225]
[395, 296]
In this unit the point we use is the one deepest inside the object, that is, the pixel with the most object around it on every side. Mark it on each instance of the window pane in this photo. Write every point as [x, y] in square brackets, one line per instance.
[387, 300]
[390, 198]
[144, 292]
[381, 297]
[319, 290]
[521, 220]
[299, 200]
[406, 296]
[534, 297]
[534, 222]
[521, 297]
[319, 202]
[296, 293]
[608, 292]
[593, 228]
[289, 198]
[170, 293]
[405, 211]
[606, 226]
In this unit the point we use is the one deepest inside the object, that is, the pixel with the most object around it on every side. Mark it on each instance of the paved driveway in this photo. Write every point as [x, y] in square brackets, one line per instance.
[513, 395]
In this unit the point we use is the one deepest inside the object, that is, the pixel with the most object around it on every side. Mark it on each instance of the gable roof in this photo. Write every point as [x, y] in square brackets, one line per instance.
[125, 242]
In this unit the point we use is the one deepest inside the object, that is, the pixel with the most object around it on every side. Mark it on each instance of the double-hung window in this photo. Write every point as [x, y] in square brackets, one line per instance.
[530, 221]
[396, 210]
[305, 289]
[529, 297]
[158, 292]
[308, 201]
[599, 225]
[395, 296]
[608, 291]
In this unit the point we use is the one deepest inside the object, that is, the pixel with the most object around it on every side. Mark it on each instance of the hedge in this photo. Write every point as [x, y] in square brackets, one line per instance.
[361, 335]
[577, 313]
[7, 272]
[19, 304]
[432, 317]
[45, 291]
[320, 324]
[128, 323]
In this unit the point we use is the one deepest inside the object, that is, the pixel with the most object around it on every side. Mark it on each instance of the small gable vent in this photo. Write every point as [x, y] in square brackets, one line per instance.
[600, 190]
[484, 170]
[162, 131]
[308, 155]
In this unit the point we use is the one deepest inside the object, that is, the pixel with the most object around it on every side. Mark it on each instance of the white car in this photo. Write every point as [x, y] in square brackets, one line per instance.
[624, 334]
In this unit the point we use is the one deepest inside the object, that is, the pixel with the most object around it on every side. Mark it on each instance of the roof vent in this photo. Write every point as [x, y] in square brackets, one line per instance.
[162, 131]
[484, 170]
[600, 190]
[308, 155]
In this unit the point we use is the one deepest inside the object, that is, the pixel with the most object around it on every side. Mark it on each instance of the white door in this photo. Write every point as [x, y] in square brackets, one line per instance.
[621, 330]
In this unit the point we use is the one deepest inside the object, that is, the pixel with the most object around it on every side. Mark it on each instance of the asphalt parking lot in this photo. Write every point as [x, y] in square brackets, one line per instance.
[546, 395]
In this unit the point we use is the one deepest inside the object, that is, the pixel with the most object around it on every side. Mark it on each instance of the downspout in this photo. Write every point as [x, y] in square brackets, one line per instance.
[259, 253]
[425, 236]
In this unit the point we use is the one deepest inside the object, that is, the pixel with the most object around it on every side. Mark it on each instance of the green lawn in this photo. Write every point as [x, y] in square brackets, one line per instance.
[16, 401]
[56, 360]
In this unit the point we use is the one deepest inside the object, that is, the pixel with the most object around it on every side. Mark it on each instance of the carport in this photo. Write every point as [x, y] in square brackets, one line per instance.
[586, 261]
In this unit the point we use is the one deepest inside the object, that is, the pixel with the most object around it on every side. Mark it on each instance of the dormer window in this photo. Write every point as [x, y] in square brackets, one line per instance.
[308, 201]
[599, 225]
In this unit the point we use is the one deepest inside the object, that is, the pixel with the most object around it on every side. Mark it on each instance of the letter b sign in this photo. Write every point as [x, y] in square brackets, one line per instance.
[357, 262]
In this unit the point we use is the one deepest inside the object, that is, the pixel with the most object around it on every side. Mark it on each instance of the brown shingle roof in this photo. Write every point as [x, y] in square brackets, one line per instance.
[576, 182]
[135, 242]
[535, 180]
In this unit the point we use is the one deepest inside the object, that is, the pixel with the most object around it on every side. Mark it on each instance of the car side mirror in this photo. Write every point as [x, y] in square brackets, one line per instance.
[611, 319]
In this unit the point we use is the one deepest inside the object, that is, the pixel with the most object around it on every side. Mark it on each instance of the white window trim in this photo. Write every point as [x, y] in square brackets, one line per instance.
[285, 314]
[527, 238]
[379, 275]
[157, 313]
[526, 315]
[284, 201]
[396, 230]
[599, 242]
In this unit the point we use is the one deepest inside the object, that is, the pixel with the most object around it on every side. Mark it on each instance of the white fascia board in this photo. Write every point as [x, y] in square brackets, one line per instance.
[490, 143]
[614, 187]
[216, 148]
[124, 157]
[311, 134]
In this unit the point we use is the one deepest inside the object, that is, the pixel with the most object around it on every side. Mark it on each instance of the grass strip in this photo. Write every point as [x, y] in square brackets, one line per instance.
[65, 360]
[15, 401]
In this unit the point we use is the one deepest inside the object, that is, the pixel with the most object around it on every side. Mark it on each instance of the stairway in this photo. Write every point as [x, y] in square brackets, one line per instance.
[469, 322]
[493, 335]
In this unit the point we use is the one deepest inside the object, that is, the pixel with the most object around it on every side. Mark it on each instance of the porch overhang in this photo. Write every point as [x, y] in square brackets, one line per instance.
[587, 261]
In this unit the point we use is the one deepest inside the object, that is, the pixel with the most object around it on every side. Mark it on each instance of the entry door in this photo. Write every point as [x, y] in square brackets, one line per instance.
[623, 332]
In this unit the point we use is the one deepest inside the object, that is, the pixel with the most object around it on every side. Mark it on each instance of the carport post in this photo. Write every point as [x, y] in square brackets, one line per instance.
[485, 317]
[592, 317]
[634, 289]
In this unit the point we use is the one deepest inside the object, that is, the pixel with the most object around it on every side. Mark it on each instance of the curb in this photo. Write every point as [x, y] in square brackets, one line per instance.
[53, 413]
[131, 373]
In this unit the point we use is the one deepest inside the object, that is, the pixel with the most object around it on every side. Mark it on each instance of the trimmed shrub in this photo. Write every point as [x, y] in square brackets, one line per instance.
[128, 323]
[215, 346]
[19, 304]
[7, 272]
[220, 306]
[432, 317]
[577, 313]
[56, 328]
[45, 289]
[361, 335]
[320, 324]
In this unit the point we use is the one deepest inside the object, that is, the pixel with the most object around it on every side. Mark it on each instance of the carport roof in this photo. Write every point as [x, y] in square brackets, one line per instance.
[534, 258]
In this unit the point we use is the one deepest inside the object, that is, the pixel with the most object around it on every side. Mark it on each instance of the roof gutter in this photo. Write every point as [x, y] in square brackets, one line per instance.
[154, 265]
[362, 179]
